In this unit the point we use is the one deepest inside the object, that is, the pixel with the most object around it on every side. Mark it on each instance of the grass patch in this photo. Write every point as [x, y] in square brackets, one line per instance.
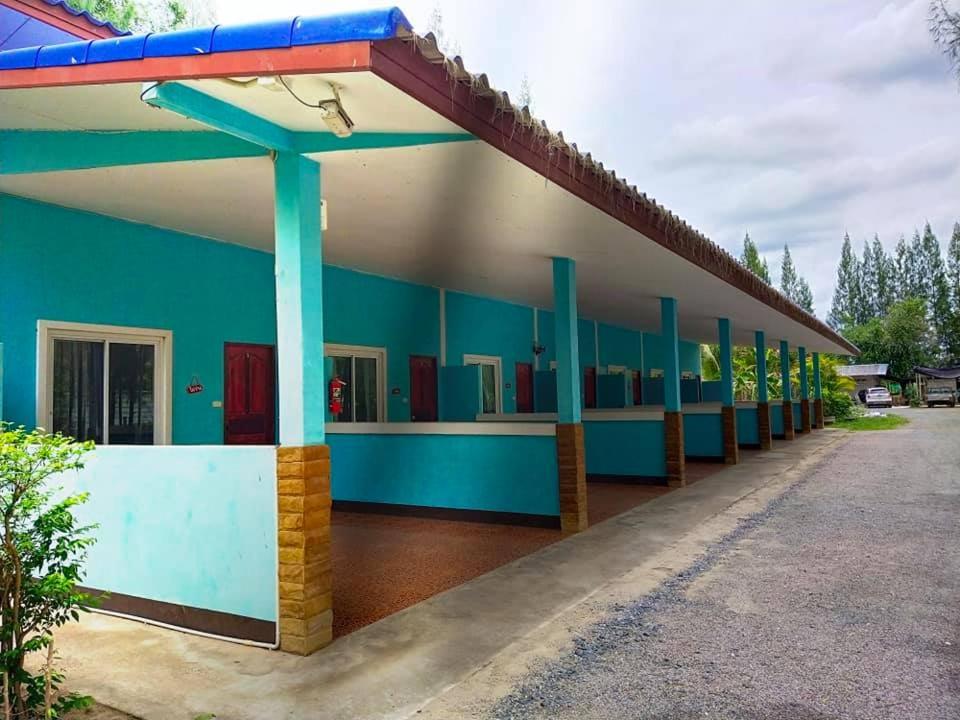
[887, 422]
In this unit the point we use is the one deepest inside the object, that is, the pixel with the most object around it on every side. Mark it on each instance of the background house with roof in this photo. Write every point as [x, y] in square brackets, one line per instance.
[29, 23]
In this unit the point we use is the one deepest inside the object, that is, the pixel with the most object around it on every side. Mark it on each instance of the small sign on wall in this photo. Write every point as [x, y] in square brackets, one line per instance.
[195, 386]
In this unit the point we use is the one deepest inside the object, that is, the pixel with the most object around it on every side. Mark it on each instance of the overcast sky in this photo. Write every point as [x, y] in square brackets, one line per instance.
[796, 122]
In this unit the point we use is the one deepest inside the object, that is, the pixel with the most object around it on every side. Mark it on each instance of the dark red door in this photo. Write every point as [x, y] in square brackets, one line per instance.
[637, 388]
[248, 397]
[590, 387]
[423, 388]
[524, 387]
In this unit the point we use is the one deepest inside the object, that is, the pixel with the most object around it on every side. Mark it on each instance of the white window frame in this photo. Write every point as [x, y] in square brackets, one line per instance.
[497, 363]
[162, 340]
[364, 351]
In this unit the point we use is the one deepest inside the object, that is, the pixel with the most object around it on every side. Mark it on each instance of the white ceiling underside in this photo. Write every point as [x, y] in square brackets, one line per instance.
[460, 215]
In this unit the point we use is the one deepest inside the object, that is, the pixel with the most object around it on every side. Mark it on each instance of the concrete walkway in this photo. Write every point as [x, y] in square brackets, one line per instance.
[394, 667]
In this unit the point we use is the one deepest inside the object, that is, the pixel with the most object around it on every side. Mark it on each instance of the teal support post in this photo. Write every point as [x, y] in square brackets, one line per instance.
[571, 452]
[568, 344]
[726, 362]
[817, 387]
[731, 448]
[818, 421]
[299, 279]
[788, 428]
[764, 429]
[785, 370]
[802, 361]
[763, 392]
[672, 411]
[805, 419]
[671, 354]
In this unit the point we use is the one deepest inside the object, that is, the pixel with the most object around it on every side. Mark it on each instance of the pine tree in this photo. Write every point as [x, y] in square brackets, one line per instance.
[916, 270]
[937, 289]
[901, 271]
[869, 304]
[885, 280]
[845, 295]
[752, 261]
[952, 350]
[788, 275]
[804, 296]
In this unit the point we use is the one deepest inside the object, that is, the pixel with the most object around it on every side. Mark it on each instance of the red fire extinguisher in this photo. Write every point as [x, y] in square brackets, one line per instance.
[335, 395]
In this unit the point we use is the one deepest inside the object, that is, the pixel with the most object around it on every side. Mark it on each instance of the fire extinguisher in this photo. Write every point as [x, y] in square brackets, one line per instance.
[335, 395]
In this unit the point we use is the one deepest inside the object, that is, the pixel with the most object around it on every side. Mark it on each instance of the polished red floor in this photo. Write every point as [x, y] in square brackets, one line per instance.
[383, 564]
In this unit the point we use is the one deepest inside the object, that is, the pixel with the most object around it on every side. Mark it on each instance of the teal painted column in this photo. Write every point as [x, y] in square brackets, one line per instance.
[817, 387]
[802, 360]
[728, 413]
[726, 362]
[763, 392]
[671, 354]
[785, 370]
[568, 343]
[299, 280]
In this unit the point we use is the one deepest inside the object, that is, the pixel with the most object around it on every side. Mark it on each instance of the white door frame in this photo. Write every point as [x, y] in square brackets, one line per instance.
[497, 363]
[365, 351]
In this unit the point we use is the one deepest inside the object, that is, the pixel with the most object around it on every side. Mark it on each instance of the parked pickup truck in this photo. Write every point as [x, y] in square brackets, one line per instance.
[941, 396]
[879, 397]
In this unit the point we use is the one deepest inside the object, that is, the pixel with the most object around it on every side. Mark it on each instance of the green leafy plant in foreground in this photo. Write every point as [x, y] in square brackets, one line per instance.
[42, 551]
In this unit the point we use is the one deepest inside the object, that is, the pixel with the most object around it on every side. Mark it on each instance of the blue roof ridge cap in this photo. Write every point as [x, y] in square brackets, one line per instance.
[280, 33]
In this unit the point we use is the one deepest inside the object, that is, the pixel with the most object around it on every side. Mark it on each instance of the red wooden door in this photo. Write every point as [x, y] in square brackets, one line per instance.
[637, 388]
[524, 387]
[423, 388]
[248, 407]
[590, 387]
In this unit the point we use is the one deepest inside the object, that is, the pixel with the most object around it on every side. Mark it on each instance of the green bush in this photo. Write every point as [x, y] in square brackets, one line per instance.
[41, 560]
[838, 405]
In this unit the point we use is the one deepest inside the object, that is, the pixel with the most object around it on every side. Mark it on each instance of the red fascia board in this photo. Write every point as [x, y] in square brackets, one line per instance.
[306, 59]
[409, 71]
[59, 18]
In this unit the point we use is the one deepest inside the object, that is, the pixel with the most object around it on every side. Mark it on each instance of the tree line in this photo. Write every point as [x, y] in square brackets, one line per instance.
[901, 308]
[792, 284]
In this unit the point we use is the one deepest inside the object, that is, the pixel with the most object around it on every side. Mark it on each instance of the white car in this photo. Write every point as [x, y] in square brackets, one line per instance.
[879, 397]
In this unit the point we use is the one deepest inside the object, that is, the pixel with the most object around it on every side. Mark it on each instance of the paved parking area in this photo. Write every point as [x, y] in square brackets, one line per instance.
[838, 600]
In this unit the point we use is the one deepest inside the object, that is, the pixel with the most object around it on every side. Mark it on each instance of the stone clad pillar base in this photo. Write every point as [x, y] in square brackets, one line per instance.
[731, 451]
[572, 466]
[789, 433]
[805, 425]
[763, 426]
[304, 569]
[818, 413]
[673, 444]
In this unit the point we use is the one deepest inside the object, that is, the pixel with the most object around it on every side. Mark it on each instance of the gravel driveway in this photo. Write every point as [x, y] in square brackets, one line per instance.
[840, 600]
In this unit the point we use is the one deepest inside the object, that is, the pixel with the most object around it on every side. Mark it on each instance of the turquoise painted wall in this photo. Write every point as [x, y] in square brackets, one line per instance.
[653, 355]
[748, 433]
[459, 393]
[703, 435]
[65, 265]
[776, 418]
[625, 447]
[468, 472]
[612, 391]
[619, 346]
[711, 391]
[480, 326]
[194, 526]
[797, 417]
[362, 309]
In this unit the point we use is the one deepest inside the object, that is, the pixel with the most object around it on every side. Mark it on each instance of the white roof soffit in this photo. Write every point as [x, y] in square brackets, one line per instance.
[461, 215]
